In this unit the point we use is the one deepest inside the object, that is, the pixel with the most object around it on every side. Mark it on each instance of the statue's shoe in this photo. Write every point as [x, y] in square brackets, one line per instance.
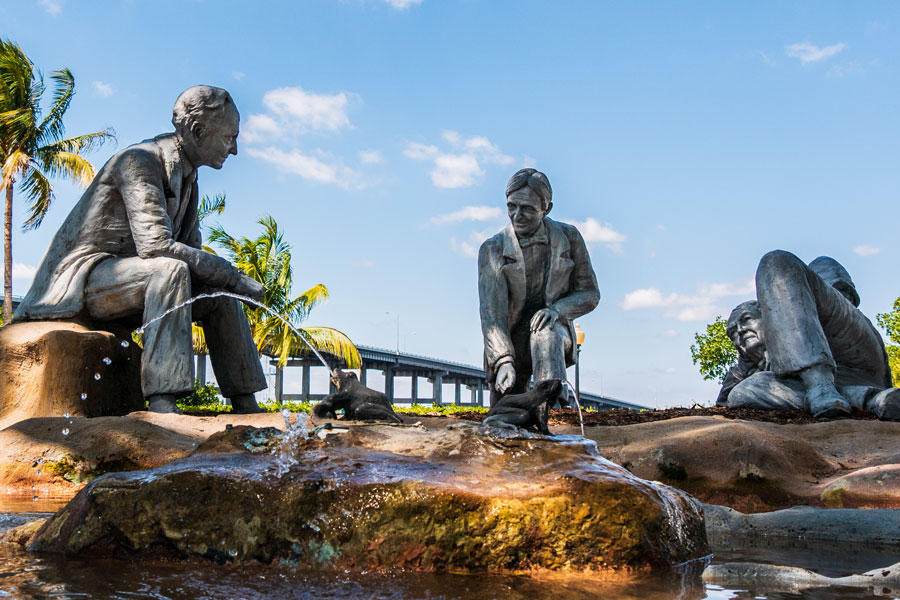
[826, 402]
[885, 404]
[163, 403]
[245, 404]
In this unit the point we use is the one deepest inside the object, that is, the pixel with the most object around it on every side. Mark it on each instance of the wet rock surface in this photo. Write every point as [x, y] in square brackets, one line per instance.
[378, 497]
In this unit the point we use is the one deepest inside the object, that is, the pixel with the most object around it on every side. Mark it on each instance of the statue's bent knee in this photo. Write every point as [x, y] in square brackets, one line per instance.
[778, 261]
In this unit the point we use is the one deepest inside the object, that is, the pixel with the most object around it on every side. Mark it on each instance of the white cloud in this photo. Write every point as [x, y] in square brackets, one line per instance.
[461, 165]
[403, 4]
[238, 75]
[364, 263]
[701, 306]
[370, 157]
[102, 89]
[469, 213]
[528, 162]
[294, 111]
[808, 53]
[867, 250]
[767, 60]
[309, 167]
[670, 370]
[24, 273]
[53, 7]
[469, 247]
[600, 233]
[669, 333]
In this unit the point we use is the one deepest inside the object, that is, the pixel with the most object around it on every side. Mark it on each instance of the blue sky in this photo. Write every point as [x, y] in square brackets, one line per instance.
[685, 139]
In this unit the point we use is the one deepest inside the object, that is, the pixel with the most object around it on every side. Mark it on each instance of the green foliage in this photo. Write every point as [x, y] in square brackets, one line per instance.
[267, 259]
[713, 351]
[424, 409]
[891, 323]
[204, 394]
[295, 407]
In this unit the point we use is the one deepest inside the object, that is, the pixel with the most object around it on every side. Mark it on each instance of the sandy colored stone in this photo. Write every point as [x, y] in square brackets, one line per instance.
[380, 497]
[46, 366]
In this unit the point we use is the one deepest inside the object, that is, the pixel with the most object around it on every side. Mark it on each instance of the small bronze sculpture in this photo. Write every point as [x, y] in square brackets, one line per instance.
[534, 279]
[358, 402]
[530, 410]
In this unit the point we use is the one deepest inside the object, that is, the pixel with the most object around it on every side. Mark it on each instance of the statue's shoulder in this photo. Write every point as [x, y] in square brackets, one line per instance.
[494, 244]
[145, 154]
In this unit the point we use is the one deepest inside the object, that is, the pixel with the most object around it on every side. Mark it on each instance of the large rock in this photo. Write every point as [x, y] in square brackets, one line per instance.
[382, 496]
[47, 366]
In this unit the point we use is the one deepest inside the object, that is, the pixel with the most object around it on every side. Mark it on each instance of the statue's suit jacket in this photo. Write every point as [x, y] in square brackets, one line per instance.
[571, 288]
[139, 204]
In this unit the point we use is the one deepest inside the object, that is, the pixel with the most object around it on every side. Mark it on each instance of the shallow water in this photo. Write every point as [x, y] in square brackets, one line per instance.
[28, 575]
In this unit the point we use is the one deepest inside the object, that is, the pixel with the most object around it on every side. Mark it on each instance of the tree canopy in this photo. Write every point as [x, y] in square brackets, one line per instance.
[33, 146]
[713, 351]
[890, 321]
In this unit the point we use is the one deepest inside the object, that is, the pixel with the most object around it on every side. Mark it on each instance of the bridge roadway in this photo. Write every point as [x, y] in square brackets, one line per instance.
[436, 371]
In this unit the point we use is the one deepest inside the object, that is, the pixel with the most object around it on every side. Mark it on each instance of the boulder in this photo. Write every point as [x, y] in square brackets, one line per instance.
[379, 496]
[50, 368]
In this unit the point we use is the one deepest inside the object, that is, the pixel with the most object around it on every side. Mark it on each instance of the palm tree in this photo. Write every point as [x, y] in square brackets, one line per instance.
[32, 148]
[267, 259]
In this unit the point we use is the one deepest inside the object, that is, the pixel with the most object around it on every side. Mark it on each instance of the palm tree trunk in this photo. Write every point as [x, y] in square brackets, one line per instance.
[7, 256]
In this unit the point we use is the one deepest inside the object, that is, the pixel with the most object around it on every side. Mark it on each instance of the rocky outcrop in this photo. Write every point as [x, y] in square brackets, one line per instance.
[381, 496]
[52, 368]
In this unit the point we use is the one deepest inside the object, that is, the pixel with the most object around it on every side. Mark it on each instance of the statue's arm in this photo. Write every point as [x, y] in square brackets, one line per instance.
[585, 294]
[138, 177]
[736, 374]
[493, 299]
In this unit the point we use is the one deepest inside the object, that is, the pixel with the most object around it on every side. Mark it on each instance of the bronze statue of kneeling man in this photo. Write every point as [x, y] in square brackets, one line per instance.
[530, 410]
[358, 402]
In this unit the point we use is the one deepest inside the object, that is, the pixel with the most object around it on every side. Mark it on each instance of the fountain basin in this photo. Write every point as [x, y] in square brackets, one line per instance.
[376, 496]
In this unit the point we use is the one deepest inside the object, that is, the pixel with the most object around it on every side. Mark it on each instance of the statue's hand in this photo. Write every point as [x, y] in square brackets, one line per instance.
[544, 318]
[506, 377]
[251, 288]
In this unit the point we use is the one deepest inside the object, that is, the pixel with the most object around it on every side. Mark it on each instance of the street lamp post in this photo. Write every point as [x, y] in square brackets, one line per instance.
[579, 340]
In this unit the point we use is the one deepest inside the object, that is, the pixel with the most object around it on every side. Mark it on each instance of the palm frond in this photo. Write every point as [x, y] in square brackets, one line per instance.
[198, 339]
[208, 206]
[15, 125]
[14, 166]
[81, 144]
[39, 193]
[331, 341]
[52, 127]
[68, 165]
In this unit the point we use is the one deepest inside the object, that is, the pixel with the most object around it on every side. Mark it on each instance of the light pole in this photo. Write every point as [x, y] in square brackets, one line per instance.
[398, 330]
[579, 340]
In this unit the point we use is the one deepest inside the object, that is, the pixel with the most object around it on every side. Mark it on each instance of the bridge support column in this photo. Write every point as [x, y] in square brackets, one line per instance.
[480, 393]
[414, 388]
[362, 374]
[201, 369]
[437, 389]
[456, 397]
[279, 384]
[389, 384]
[304, 383]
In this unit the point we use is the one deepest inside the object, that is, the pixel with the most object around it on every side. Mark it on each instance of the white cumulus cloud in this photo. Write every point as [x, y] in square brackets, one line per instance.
[469, 247]
[295, 111]
[403, 4]
[469, 213]
[867, 250]
[808, 53]
[53, 7]
[23, 273]
[462, 164]
[704, 305]
[600, 233]
[370, 157]
[309, 167]
[102, 89]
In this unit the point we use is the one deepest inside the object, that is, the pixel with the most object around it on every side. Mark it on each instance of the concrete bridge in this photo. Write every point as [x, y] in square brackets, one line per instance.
[435, 371]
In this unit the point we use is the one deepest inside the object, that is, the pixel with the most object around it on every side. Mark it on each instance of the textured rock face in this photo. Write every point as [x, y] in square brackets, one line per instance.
[382, 496]
[46, 366]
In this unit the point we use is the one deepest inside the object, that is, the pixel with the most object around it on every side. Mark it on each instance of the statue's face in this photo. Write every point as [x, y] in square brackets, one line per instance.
[525, 211]
[218, 140]
[745, 331]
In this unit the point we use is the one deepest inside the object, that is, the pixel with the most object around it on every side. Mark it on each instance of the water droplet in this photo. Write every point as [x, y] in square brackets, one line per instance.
[33, 488]
[39, 461]
[66, 415]
[124, 344]
[65, 431]
[107, 360]
[38, 472]
[97, 376]
[83, 396]
[35, 499]
[139, 331]
[232, 553]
